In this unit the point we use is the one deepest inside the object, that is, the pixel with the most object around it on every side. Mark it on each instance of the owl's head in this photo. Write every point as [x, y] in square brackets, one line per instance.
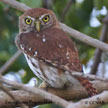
[37, 19]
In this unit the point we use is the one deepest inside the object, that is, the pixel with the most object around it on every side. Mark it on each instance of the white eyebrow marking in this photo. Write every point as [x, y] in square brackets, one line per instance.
[43, 16]
[30, 17]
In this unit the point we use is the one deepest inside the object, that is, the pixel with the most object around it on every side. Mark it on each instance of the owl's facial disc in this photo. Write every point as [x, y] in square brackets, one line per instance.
[38, 23]
[37, 20]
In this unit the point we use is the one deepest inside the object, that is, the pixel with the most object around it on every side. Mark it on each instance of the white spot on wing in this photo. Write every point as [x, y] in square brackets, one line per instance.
[35, 54]
[29, 49]
[37, 35]
[76, 49]
[44, 39]
[67, 55]
[22, 47]
[60, 46]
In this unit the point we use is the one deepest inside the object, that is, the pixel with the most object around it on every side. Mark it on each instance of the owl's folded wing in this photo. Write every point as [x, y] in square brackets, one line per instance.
[52, 46]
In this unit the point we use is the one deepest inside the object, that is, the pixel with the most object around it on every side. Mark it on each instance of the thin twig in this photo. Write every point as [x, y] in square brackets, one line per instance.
[47, 4]
[16, 5]
[36, 91]
[10, 62]
[105, 20]
[98, 52]
[65, 11]
[74, 33]
[12, 96]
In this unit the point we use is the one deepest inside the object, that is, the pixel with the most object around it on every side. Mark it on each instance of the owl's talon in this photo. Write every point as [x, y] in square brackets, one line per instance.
[43, 85]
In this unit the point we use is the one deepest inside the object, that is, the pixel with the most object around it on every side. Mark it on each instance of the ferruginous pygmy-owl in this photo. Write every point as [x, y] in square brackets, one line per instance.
[50, 53]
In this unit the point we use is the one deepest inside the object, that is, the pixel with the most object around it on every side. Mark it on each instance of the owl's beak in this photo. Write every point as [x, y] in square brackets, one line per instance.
[37, 24]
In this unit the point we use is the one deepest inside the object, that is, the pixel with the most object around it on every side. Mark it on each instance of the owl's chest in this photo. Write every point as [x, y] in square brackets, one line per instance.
[47, 73]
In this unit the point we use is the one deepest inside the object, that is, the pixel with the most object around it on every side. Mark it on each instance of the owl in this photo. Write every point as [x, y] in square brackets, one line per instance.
[49, 52]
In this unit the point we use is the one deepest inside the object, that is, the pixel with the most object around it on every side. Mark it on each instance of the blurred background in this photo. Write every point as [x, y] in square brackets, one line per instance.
[85, 16]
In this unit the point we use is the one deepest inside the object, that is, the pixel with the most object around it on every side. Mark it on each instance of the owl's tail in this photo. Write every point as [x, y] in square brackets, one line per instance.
[88, 86]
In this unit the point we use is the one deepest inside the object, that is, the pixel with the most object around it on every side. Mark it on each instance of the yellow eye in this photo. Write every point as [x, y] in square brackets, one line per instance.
[46, 18]
[28, 21]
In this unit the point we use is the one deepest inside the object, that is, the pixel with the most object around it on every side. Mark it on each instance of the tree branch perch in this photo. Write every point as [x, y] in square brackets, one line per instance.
[92, 102]
[73, 93]
[9, 62]
[35, 91]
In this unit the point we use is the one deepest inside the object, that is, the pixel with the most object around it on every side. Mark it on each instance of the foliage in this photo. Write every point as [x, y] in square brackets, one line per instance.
[77, 17]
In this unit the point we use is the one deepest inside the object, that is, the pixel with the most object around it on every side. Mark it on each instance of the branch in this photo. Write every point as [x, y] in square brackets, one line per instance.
[47, 4]
[36, 91]
[74, 33]
[16, 5]
[12, 96]
[65, 11]
[73, 93]
[9, 62]
[92, 102]
[98, 52]
[105, 20]
[90, 76]
[84, 38]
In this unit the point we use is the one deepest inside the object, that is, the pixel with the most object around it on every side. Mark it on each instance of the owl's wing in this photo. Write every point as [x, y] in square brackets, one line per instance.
[52, 46]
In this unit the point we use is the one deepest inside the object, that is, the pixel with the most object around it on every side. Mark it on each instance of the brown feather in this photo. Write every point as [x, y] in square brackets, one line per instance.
[36, 12]
[58, 49]
[88, 86]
